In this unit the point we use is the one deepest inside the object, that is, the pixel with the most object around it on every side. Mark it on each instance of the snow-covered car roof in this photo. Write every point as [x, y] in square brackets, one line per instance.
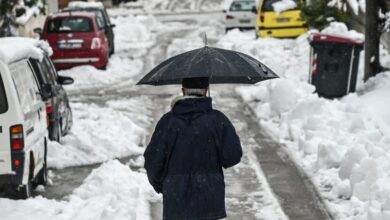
[79, 4]
[17, 48]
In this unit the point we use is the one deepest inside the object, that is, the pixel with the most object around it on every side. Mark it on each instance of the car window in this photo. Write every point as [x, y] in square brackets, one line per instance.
[3, 98]
[49, 71]
[242, 6]
[73, 24]
[42, 78]
[25, 84]
[267, 5]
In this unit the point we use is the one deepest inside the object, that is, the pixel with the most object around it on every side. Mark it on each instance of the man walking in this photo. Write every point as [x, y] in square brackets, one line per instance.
[184, 159]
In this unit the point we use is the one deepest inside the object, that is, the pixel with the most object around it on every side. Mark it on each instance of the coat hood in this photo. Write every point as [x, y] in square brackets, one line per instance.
[189, 108]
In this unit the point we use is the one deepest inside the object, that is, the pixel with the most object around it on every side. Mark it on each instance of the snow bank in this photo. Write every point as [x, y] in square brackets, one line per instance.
[80, 4]
[340, 29]
[101, 133]
[16, 48]
[284, 5]
[112, 191]
[343, 145]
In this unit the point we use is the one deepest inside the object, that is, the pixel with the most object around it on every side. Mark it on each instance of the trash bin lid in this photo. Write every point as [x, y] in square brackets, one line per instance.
[327, 38]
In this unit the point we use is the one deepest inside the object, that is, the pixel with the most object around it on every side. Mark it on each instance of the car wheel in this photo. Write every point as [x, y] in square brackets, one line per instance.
[59, 133]
[112, 49]
[42, 175]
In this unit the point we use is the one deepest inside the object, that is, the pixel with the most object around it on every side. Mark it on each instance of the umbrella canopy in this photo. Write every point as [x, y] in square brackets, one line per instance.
[221, 66]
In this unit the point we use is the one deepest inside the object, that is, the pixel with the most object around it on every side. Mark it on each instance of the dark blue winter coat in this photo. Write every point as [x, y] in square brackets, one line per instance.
[185, 157]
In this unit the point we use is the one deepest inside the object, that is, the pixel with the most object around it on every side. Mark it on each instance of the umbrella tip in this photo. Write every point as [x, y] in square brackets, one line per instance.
[205, 39]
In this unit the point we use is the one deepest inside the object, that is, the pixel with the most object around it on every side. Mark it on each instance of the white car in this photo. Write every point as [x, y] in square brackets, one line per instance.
[241, 14]
[23, 121]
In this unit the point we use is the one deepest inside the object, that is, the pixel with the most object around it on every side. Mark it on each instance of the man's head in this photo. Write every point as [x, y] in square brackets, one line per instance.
[195, 86]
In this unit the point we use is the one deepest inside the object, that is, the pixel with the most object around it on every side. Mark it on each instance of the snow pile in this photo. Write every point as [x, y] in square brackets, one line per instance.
[119, 69]
[134, 32]
[16, 48]
[80, 4]
[284, 5]
[102, 133]
[343, 145]
[112, 191]
[340, 29]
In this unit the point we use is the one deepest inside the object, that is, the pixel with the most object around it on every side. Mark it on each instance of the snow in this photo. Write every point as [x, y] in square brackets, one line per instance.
[342, 144]
[27, 15]
[112, 191]
[101, 133]
[284, 5]
[16, 48]
[340, 29]
[80, 4]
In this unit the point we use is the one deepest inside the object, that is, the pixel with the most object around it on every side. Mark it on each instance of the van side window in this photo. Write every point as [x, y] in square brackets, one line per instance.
[50, 70]
[25, 84]
[3, 98]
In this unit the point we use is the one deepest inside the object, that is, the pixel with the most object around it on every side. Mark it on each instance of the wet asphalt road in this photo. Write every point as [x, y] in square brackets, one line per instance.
[247, 193]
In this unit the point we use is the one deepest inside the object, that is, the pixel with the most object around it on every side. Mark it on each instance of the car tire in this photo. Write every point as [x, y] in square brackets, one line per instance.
[42, 175]
[59, 133]
[112, 49]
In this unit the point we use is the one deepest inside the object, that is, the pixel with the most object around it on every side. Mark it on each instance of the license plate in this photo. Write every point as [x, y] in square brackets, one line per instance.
[69, 45]
[245, 21]
[283, 20]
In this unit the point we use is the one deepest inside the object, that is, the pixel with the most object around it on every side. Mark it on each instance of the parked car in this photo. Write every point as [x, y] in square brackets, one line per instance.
[23, 122]
[101, 14]
[76, 40]
[58, 110]
[284, 24]
[241, 15]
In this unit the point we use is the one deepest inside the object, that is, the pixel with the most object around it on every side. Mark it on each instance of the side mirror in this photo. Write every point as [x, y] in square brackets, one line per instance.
[47, 91]
[112, 25]
[65, 80]
[38, 31]
[254, 10]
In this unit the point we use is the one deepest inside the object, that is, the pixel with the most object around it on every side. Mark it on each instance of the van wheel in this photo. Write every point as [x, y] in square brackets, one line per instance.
[42, 175]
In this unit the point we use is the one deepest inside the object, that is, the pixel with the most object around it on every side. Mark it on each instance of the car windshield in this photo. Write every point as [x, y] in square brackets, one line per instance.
[3, 98]
[242, 6]
[267, 5]
[73, 24]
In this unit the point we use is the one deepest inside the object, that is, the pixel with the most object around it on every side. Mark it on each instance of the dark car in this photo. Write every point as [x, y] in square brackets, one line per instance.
[59, 113]
[101, 16]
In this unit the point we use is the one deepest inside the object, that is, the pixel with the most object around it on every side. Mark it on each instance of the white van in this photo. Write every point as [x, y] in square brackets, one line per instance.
[23, 122]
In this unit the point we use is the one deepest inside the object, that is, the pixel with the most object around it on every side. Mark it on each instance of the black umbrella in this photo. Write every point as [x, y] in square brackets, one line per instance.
[221, 66]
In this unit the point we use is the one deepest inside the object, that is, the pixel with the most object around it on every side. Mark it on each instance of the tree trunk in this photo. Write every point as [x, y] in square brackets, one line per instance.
[372, 36]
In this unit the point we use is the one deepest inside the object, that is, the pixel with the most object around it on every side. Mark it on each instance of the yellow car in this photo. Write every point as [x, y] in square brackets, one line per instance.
[279, 18]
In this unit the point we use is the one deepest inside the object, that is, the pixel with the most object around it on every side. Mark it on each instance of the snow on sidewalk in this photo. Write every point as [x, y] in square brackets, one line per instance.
[110, 192]
[343, 145]
[101, 133]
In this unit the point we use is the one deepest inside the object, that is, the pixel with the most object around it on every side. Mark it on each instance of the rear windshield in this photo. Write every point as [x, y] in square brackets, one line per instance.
[242, 6]
[74, 24]
[267, 5]
[3, 98]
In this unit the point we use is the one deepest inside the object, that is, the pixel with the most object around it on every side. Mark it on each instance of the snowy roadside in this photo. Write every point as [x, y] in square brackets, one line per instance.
[343, 145]
[112, 191]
